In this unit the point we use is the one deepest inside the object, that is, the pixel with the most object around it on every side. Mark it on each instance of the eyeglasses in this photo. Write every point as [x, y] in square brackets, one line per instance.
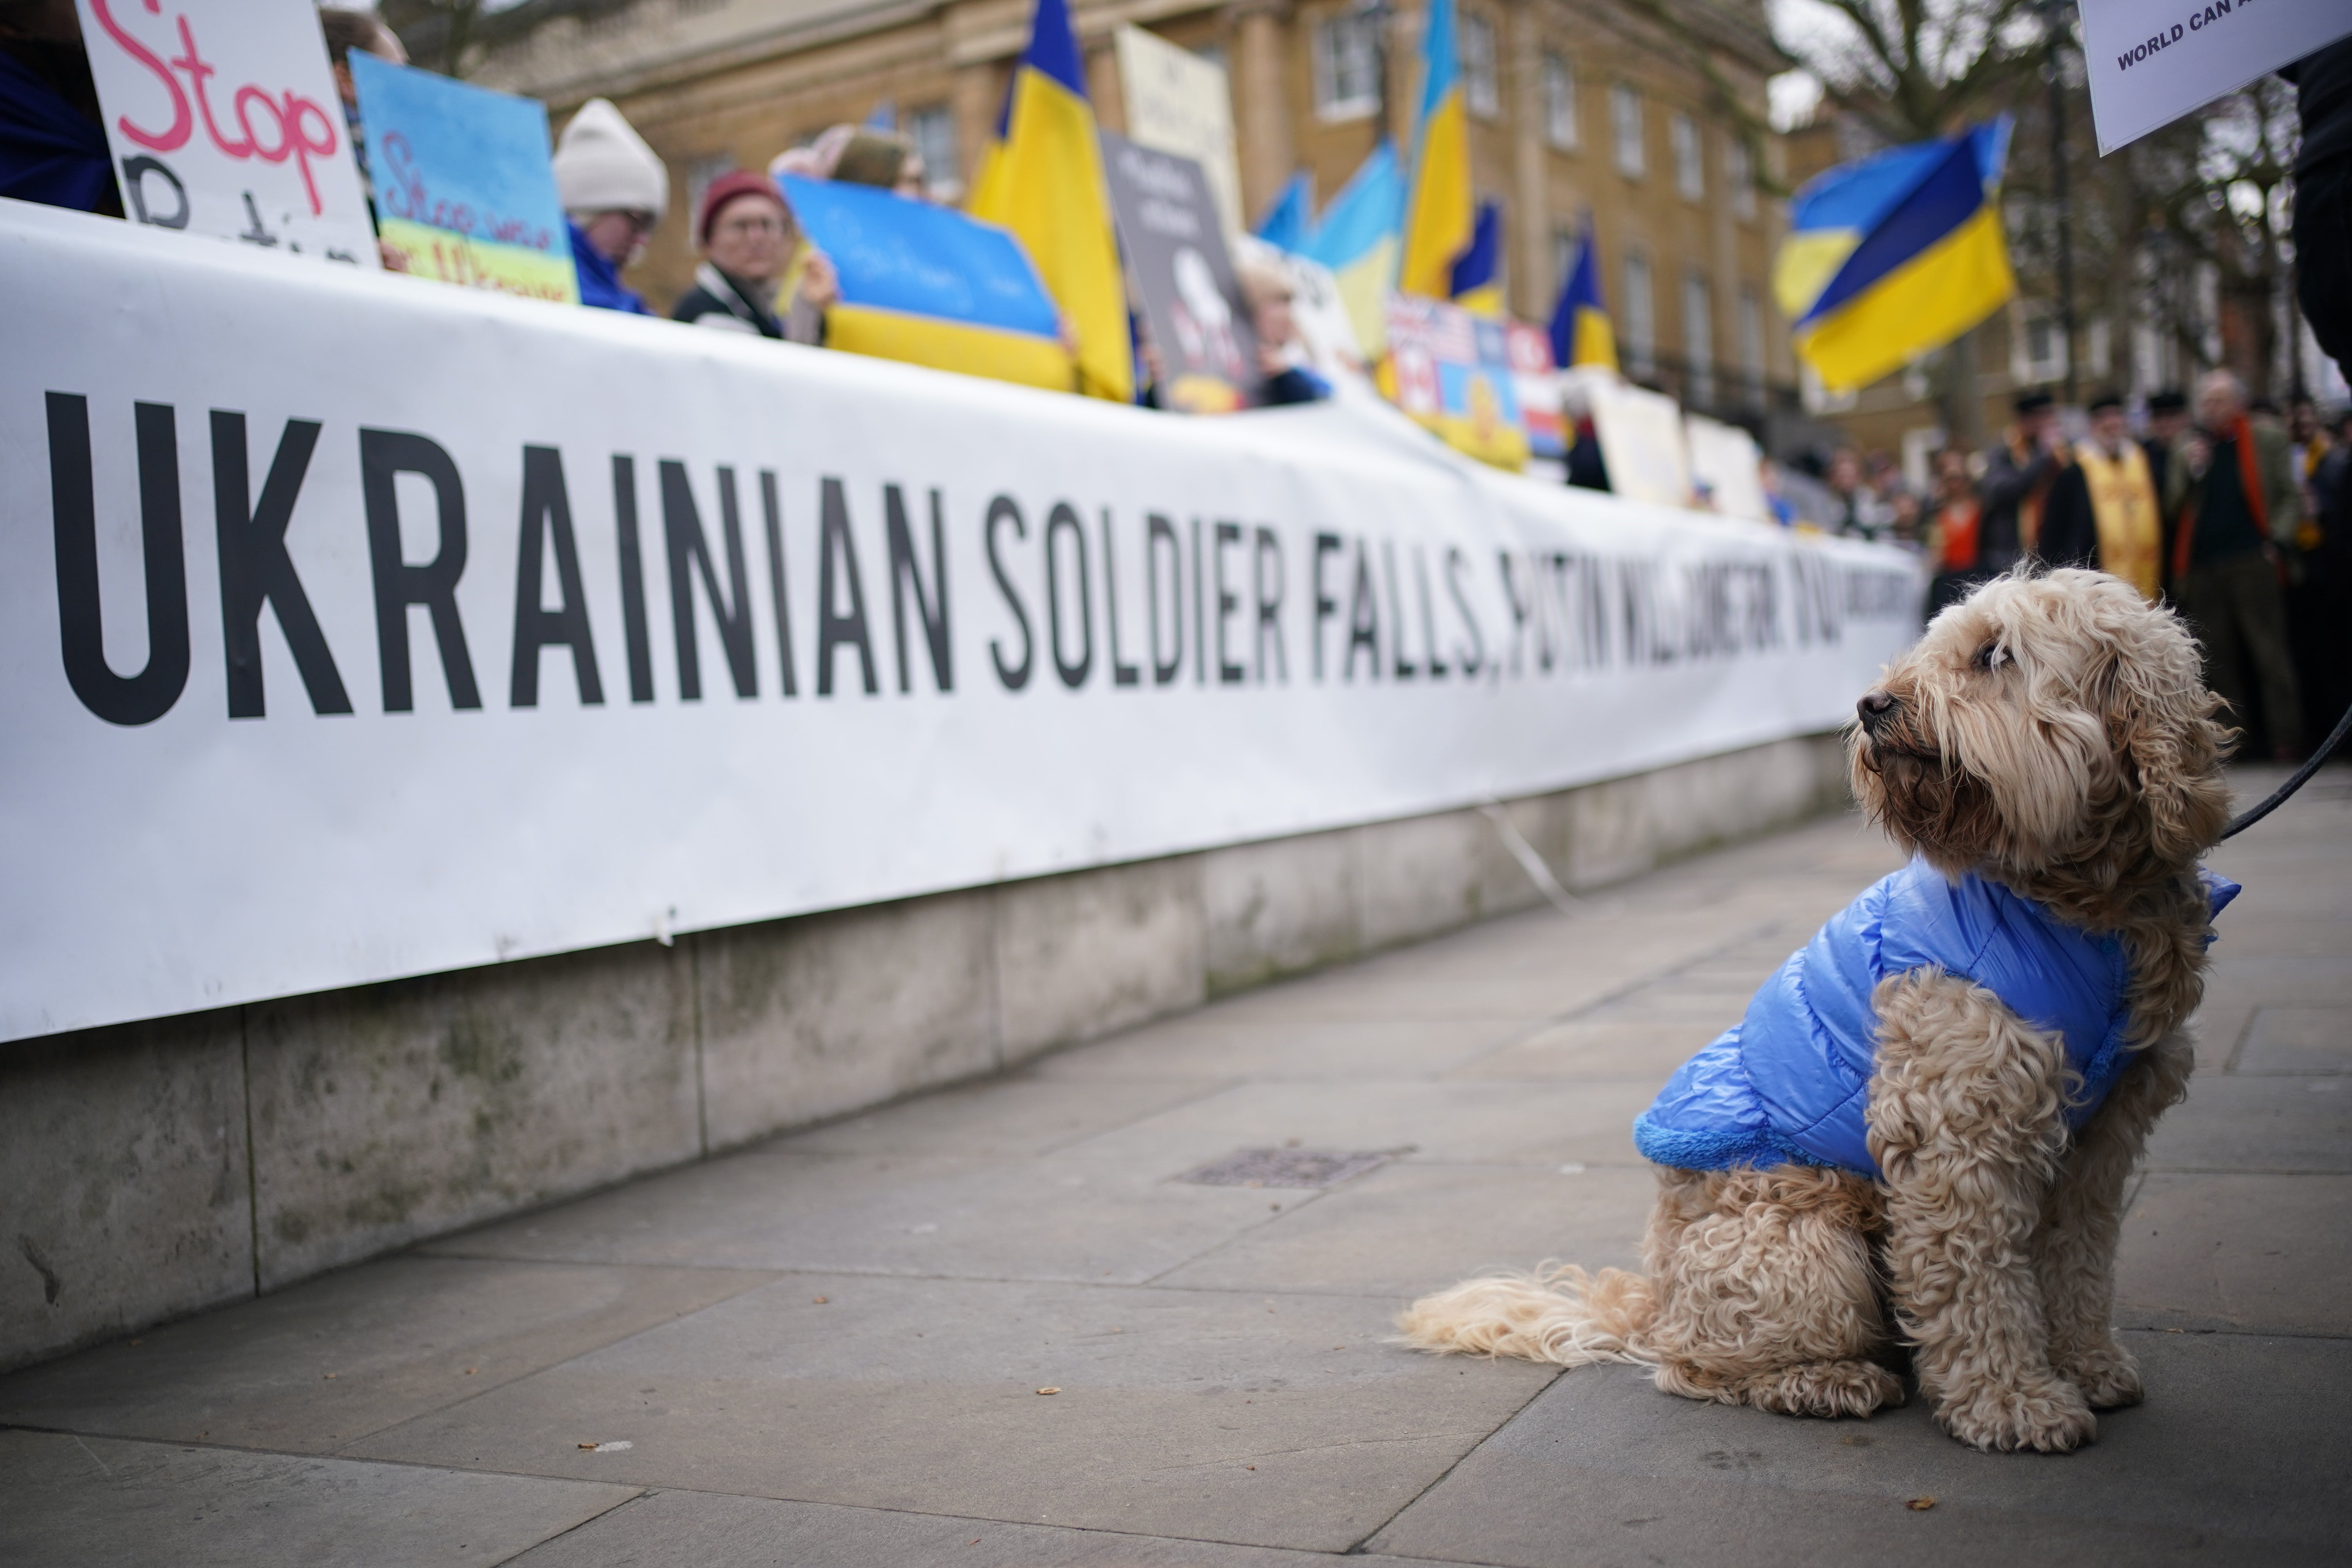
[750, 224]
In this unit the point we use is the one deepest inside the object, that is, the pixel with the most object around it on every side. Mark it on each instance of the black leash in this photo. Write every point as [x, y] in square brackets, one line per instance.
[2278, 796]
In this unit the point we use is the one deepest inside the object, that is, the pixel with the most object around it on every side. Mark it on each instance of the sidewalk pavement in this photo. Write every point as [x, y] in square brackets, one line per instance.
[994, 1326]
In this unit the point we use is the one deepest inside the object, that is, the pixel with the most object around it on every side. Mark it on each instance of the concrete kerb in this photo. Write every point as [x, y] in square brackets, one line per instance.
[160, 1168]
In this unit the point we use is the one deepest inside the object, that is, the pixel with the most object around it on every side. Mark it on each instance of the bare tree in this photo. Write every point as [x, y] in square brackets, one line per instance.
[440, 34]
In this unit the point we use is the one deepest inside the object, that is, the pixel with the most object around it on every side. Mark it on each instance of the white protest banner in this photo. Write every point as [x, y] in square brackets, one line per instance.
[353, 627]
[2152, 61]
[1177, 102]
[223, 120]
[1725, 465]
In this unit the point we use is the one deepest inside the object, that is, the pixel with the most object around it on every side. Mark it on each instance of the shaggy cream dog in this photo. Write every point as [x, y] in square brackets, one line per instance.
[2049, 748]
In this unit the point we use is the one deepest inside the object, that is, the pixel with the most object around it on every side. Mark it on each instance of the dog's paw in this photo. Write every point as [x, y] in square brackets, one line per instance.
[2049, 1415]
[1831, 1388]
[2108, 1375]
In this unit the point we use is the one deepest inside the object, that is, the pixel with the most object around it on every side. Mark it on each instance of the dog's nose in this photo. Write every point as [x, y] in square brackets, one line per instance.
[1874, 707]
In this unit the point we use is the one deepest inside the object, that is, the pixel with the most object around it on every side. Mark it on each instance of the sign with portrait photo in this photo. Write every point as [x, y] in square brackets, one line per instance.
[1184, 279]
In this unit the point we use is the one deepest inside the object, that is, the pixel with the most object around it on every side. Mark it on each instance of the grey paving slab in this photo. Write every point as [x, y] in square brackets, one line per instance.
[2237, 1456]
[2297, 1041]
[1002, 1117]
[1410, 1228]
[1212, 1047]
[2241, 1252]
[2233, 1123]
[1274, 1421]
[1488, 1123]
[68, 1500]
[1050, 1218]
[313, 1367]
[1594, 1047]
[662, 1529]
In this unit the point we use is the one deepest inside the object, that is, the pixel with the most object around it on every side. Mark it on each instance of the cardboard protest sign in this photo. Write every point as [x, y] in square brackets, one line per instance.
[1192, 304]
[1179, 102]
[1727, 470]
[2152, 61]
[1642, 437]
[1451, 372]
[1536, 381]
[223, 120]
[464, 187]
[927, 285]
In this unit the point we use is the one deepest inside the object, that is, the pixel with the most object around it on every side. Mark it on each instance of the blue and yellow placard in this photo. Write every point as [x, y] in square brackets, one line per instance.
[464, 187]
[930, 286]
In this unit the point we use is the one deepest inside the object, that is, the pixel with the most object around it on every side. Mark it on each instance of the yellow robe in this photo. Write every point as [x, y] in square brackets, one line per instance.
[2123, 504]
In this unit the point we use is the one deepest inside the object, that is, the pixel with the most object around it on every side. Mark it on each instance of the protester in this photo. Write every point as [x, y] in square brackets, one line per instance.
[749, 240]
[1861, 514]
[52, 137]
[2322, 197]
[2102, 510]
[364, 31]
[2231, 489]
[873, 157]
[1954, 531]
[1266, 285]
[1776, 496]
[816, 161]
[2319, 606]
[1587, 469]
[2019, 474]
[614, 190]
[2167, 421]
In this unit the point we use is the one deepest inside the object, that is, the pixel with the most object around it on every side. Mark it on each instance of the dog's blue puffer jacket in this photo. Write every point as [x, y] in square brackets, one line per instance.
[1789, 1082]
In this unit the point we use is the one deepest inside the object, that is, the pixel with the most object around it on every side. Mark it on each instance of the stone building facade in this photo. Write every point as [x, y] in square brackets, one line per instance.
[1596, 104]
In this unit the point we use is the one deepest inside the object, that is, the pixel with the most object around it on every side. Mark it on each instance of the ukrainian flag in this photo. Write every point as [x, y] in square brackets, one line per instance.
[930, 286]
[1291, 220]
[1581, 332]
[1357, 239]
[1896, 254]
[1438, 226]
[1042, 178]
[1477, 281]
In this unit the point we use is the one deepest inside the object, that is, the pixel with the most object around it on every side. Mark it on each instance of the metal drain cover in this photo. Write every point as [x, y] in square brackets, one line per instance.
[1286, 1168]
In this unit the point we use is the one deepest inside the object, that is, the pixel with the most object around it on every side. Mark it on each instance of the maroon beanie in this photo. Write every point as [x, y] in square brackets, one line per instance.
[727, 188]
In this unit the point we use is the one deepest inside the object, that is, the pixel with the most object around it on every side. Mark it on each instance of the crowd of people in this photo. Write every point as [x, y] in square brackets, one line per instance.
[758, 274]
[2236, 513]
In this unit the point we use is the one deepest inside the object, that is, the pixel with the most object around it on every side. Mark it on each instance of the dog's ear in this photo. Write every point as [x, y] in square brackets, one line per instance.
[2163, 716]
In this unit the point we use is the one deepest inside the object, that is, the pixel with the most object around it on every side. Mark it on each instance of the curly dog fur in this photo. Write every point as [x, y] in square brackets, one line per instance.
[2051, 734]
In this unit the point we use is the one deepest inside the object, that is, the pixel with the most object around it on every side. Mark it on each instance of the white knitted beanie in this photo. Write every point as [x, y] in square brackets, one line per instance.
[601, 165]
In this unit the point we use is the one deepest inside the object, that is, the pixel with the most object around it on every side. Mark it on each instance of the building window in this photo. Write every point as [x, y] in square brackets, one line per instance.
[1698, 340]
[1690, 159]
[2099, 347]
[1479, 90]
[1625, 128]
[1640, 336]
[1740, 177]
[700, 172]
[933, 131]
[1564, 245]
[1751, 349]
[1560, 104]
[2037, 346]
[1347, 66]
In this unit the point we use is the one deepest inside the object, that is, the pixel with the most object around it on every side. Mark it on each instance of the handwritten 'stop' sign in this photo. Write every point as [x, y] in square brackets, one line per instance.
[465, 185]
[2153, 61]
[223, 120]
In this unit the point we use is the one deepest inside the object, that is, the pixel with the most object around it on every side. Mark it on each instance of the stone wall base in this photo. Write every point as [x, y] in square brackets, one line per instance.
[158, 1168]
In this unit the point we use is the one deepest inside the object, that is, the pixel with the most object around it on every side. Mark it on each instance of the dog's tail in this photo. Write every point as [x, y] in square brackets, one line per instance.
[1553, 1312]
